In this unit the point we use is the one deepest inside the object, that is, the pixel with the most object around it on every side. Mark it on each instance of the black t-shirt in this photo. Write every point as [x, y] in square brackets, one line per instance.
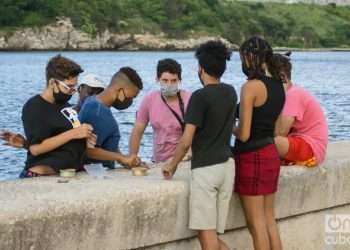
[42, 120]
[212, 110]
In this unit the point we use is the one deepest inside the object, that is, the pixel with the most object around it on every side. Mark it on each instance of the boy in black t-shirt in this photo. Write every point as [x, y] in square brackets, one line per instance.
[56, 139]
[209, 122]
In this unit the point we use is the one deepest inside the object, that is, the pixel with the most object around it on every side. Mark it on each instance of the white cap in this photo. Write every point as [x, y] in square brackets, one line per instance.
[92, 80]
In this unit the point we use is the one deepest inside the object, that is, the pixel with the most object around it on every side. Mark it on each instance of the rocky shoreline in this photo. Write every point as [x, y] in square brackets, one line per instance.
[63, 36]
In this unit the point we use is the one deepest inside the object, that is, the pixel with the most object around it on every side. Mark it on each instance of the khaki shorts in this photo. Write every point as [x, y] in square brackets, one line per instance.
[211, 192]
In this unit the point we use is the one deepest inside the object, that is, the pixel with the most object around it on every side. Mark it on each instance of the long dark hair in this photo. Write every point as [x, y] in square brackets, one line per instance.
[254, 53]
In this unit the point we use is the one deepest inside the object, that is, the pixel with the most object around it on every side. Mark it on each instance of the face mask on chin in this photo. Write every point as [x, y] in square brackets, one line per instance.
[168, 90]
[121, 105]
[60, 97]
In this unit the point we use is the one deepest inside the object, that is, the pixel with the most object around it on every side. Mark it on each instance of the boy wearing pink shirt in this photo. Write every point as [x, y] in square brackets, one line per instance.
[164, 110]
[302, 131]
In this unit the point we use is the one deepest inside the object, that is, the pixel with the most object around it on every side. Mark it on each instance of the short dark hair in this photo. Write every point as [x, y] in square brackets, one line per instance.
[132, 76]
[168, 65]
[62, 68]
[282, 64]
[212, 57]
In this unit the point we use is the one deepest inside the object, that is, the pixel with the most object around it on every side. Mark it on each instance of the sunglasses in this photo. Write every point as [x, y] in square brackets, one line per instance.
[71, 89]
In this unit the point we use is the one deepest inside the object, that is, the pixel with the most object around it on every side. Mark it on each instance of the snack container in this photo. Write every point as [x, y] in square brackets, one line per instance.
[69, 172]
[139, 171]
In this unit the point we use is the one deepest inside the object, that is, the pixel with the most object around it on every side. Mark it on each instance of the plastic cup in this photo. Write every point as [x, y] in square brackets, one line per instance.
[96, 170]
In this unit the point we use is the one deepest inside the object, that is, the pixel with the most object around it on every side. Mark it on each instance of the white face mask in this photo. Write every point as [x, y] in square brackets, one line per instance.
[169, 89]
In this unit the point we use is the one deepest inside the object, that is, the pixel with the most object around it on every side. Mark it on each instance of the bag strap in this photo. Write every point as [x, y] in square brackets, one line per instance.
[182, 109]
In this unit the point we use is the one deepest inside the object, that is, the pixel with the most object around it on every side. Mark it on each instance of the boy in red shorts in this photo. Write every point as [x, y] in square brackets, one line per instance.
[302, 131]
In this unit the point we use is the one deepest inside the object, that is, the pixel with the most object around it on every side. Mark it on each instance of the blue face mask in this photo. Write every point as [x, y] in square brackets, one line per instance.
[168, 90]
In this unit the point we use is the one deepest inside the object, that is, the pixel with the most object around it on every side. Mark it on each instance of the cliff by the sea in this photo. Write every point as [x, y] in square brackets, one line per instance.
[62, 35]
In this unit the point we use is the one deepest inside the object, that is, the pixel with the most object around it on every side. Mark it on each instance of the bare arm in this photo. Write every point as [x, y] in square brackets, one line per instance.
[84, 131]
[135, 137]
[105, 155]
[284, 125]
[246, 112]
[181, 149]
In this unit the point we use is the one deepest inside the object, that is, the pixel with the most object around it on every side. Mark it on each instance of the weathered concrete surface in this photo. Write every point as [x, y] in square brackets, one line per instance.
[303, 232]
[126, 212]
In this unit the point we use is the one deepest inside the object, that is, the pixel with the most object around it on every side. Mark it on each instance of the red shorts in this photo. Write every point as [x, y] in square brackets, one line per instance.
[257, 172]
[299, 152]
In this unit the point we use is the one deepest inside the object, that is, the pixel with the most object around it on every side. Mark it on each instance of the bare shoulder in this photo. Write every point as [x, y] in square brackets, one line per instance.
[254, 83]
[252, 86]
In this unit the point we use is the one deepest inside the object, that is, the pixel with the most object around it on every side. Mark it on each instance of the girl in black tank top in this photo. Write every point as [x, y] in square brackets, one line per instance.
[256, 158]
[264, 117]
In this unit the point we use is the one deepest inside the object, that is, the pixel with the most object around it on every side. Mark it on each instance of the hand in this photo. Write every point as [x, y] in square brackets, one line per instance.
[91, 141]
[168, 171]
[144, 165]
[137, 161]
[130, 161]
[81, 132]
[12, 139]
[188, 156]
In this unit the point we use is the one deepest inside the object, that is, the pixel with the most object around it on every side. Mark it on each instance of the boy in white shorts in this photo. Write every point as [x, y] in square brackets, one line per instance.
[209, 121]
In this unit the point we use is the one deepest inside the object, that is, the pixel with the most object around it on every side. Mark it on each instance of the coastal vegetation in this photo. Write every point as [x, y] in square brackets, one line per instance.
[290, 25]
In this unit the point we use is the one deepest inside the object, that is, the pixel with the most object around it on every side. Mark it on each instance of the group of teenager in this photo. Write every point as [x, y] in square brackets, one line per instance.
[275, 123]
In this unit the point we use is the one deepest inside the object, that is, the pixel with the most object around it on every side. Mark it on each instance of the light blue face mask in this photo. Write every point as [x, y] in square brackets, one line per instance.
[168, 90]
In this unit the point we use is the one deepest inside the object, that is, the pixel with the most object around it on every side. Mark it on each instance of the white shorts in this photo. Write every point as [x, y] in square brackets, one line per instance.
[211, 192]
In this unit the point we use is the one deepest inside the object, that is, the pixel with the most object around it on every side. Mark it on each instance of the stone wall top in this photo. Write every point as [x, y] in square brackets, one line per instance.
[126, 212]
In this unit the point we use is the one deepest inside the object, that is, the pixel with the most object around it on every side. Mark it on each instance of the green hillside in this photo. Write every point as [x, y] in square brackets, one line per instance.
[296, 25]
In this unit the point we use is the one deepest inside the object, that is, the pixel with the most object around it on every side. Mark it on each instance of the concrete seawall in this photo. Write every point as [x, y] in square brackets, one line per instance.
[127, 212]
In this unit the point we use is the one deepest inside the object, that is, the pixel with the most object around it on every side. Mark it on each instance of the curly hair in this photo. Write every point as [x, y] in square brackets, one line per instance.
[212, 57]
[168, 65]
